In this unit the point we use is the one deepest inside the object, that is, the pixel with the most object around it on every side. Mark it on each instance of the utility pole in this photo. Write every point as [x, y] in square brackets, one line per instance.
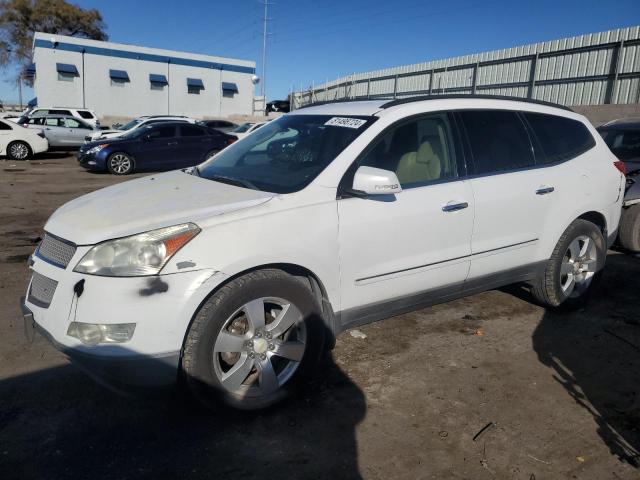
[263, 89]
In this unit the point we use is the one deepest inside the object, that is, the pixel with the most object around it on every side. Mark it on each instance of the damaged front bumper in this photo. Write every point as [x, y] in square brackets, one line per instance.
[161, 307]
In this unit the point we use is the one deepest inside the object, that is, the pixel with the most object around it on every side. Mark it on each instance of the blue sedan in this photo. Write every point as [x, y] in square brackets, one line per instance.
[160, 146]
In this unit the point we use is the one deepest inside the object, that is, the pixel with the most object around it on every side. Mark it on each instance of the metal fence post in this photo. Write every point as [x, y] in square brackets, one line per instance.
[474, 82]
[430, 81]
[395, 86]
[532, 76]
[368, 88]
[614, 69]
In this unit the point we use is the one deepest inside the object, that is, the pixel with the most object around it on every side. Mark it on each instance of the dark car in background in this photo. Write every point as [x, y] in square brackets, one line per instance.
[623, 138]
[223, 126]
[283, 106]
[160, 146]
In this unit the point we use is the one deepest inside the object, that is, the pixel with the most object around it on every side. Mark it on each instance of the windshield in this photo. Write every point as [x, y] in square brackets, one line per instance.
[285, 155]
[243, 128]
[130, 125]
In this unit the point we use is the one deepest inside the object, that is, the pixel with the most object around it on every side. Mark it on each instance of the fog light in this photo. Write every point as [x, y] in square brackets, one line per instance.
[91, 162]
[93, 334]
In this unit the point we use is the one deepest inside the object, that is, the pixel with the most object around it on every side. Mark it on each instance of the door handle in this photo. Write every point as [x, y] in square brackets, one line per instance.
[544, 190]
[454, 207]
[172, 143]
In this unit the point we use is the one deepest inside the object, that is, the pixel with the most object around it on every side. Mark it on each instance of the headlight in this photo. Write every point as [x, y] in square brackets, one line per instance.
[137, 255]
[97, 148]
[93, 334]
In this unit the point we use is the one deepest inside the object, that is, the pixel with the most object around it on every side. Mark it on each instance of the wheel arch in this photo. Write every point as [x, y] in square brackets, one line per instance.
[302, 273]
[597, 219]
[20, 140]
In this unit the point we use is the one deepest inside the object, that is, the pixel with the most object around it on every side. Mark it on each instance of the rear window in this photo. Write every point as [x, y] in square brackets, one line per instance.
[498, 140]
[559, 138]
[85, 114]
[5, 126]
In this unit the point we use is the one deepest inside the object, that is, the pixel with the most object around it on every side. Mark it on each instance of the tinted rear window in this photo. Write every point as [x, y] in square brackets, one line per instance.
[560, 138]
[498, 140]
[85, 114]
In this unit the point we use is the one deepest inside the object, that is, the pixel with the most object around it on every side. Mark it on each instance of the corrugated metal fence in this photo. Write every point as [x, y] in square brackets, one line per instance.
[594, 69]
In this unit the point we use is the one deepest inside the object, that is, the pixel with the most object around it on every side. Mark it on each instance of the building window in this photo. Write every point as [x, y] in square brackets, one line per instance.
[118, 77]
[229, 89]
[157, 86]
[117, 82]
[66, 72]
[194, 86]
[66, 77]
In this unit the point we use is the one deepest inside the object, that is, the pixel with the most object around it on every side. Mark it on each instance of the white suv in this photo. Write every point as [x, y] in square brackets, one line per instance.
[235, 275]
[83, 114]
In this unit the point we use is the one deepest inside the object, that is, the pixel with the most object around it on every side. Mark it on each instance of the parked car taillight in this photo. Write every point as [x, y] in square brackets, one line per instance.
[230, 140]
[620, 166]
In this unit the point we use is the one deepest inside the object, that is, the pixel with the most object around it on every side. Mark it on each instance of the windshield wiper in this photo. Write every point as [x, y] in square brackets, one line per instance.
[233, 181]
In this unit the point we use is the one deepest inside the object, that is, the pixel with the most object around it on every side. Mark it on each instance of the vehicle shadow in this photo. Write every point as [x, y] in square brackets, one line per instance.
[58, 424]
[594, 354]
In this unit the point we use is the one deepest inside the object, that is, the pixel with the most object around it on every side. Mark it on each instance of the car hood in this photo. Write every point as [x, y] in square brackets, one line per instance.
[146, 203]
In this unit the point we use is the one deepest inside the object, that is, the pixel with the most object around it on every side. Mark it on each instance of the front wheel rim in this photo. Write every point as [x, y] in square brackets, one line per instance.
[578, 266]
[120, 163]
[19, 151]
[259, 347]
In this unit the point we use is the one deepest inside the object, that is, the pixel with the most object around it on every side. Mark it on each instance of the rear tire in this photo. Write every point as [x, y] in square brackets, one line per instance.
[574, 268]
[629, 233]
[120, 163]
[19, 151]
[253, 341]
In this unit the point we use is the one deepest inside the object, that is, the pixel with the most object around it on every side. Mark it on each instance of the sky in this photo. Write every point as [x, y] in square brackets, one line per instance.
[311, 41]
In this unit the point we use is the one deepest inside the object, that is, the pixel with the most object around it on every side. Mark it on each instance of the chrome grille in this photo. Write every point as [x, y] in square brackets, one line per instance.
[56, 251]
[42, 290]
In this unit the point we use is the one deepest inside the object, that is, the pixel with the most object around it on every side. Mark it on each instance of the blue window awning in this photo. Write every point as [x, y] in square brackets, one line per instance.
[229, 87]
[67, 68]
[158, 79]
[33, 102]
[119, 75]
[195, 82]
[30, 71]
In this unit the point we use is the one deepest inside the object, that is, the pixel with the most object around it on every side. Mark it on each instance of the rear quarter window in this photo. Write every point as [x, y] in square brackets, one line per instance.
[85, 114]
[559, 138]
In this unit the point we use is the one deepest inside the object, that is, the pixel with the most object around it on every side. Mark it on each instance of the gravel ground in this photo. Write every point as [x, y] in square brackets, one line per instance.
[405, 398]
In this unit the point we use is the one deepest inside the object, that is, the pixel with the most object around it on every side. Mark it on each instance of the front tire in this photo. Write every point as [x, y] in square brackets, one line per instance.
[120, 163]
[253, 341]
[574, 268]
[629, 234]
[19, 151]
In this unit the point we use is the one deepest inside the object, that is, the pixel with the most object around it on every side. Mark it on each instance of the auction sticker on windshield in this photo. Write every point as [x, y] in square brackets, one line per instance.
[346, 122]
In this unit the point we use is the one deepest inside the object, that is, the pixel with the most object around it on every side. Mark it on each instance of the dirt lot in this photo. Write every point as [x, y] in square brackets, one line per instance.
[562, 392]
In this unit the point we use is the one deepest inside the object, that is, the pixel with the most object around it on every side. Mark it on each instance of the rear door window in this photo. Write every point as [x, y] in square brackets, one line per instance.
[498, 139]
[192, 131]
[559, 138]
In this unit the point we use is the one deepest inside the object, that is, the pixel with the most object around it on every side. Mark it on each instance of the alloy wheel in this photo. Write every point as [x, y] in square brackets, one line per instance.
[578, 266]
[259, 347]
[120, 163]
[19, 151]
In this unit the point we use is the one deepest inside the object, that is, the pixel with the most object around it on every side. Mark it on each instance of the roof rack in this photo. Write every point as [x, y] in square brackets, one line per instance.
[450, 96]
[345, 100]
[401, 101]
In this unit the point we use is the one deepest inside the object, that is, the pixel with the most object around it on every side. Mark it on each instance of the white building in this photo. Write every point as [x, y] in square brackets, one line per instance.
[128, 81]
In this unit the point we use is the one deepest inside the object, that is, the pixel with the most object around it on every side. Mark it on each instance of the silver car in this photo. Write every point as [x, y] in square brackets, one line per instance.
[62, 131]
